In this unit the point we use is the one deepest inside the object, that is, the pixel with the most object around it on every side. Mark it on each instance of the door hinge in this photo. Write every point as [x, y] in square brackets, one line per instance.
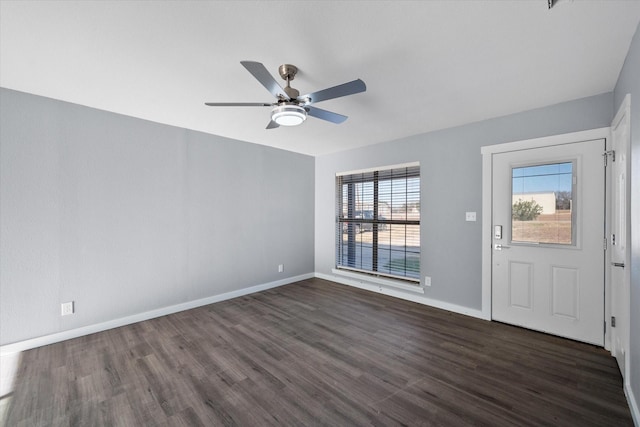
[604, 244]
[606, 154]
[613, 321]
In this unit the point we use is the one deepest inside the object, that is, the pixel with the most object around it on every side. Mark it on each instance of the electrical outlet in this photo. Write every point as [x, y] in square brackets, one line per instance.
[67, 308]
[427, 280]
[470, 216]
[280, 268]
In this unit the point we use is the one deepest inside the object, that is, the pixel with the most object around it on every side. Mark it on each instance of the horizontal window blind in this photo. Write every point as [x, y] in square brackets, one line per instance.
[378, 222]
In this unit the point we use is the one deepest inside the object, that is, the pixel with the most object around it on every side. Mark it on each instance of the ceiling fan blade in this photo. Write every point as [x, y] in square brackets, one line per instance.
[237, 104]
[272, 125]
[319, 113]
[353, 87]
[265, 78]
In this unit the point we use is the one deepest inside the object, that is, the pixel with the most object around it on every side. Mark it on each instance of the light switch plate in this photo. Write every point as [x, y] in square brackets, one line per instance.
[471, 216]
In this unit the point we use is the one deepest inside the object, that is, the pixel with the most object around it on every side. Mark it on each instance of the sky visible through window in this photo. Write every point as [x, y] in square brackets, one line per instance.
[543, 178]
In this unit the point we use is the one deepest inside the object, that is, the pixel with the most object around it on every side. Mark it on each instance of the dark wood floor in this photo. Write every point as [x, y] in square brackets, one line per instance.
[317, 353]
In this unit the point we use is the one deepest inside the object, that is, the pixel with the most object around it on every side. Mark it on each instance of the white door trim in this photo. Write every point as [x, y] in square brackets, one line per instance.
[487, 214]
[623, 110]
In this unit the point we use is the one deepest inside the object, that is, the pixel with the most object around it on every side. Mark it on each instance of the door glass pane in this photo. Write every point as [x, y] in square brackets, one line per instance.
[542, 204]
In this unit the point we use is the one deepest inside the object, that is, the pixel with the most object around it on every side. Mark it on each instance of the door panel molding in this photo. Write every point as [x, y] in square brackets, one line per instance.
[521, 285]
[565, 292]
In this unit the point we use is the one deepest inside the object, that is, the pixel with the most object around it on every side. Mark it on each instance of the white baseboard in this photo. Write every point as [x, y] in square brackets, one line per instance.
[406, 296]
[633, 404]
[115, 323]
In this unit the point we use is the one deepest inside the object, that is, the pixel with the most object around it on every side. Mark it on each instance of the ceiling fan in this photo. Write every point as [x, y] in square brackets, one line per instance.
[291, 109]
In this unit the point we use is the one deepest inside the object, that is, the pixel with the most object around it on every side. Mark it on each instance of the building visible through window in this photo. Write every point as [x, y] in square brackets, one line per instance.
[378, 222]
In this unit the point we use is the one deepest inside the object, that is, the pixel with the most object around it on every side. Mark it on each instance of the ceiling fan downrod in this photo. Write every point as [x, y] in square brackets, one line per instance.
[288, 73]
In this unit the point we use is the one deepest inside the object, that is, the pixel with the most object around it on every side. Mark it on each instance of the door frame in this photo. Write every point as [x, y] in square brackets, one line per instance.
[487, 214]
[624, 109]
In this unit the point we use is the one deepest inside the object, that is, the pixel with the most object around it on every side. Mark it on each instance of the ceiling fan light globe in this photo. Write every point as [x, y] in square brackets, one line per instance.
[288, 115]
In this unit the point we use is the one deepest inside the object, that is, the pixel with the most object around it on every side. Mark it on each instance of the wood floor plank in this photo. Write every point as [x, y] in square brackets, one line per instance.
[316, 353]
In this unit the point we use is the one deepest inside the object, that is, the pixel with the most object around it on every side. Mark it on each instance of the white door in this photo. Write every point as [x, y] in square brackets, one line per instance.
[548, 239]
[619, 239]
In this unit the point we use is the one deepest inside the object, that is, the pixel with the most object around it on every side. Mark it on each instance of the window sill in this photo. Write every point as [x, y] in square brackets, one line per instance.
[366, 278]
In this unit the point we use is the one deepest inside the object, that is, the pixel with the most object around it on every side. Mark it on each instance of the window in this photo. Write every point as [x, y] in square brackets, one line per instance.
[378, 222]
[543, 204]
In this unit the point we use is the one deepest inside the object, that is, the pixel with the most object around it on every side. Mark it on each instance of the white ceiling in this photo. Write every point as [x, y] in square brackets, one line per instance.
[427, 64]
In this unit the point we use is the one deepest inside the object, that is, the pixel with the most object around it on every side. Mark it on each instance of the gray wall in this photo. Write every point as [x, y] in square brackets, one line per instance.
[451, 184]
[629, 82]
[125, 216]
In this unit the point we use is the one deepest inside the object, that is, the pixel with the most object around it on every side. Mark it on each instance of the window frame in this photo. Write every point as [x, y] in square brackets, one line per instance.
[347, 224]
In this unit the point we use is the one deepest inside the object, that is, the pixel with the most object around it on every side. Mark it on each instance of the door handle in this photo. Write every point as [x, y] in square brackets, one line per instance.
[499, 247]
[618, 264]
